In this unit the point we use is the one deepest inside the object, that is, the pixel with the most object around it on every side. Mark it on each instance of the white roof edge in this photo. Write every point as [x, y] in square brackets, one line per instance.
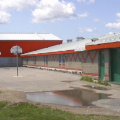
[28, 36]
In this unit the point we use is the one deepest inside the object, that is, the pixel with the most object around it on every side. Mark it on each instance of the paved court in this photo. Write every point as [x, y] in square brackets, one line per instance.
[31, 79]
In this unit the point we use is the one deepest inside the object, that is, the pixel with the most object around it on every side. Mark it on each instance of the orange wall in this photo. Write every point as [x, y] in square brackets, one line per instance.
[27, 46]
[103, 46]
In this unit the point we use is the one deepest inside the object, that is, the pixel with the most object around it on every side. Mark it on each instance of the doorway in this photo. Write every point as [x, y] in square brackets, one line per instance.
[115, 64]
[102, 65]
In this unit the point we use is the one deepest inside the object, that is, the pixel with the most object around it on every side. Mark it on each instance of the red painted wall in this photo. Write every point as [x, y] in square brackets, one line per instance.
[27, 46]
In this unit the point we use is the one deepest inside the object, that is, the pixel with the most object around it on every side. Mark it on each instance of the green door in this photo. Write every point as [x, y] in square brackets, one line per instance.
[102, 65]
[115, 64]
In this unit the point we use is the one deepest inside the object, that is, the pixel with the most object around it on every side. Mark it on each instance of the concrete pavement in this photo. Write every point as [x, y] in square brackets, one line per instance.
[31, 79]
[35, 80]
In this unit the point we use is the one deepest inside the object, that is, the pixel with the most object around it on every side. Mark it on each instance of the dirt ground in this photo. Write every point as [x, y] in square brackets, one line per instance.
[14, 90]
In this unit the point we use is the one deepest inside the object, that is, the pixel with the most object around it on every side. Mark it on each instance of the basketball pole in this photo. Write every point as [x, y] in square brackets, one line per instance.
[16, 50]
[17, 60]
[17, 63]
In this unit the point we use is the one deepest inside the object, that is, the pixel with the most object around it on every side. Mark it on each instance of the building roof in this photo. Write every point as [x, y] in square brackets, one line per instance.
[82, 45]
[110, 38]
[28, 36]
[104, 42]
[76, 46]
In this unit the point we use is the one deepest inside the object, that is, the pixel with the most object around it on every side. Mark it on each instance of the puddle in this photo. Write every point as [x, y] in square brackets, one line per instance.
[74, 97]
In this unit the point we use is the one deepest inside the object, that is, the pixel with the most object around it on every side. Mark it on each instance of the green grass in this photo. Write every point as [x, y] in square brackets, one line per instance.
[89, 79]
[103, 83]
[86, 78]
[25, 111]
[3, 104]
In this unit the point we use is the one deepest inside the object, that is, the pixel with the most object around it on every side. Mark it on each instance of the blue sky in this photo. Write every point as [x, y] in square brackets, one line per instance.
[66, 19]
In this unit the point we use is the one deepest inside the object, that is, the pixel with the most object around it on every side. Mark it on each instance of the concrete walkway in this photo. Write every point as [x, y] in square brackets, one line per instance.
[31, 79]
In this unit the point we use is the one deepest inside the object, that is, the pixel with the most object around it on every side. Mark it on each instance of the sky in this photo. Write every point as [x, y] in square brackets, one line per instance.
[67, 19]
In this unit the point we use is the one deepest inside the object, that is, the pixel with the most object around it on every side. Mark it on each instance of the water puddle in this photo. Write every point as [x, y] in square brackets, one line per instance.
[74, 97]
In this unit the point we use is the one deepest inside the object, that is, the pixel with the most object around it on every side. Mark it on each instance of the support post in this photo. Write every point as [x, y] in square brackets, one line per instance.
[17, 63]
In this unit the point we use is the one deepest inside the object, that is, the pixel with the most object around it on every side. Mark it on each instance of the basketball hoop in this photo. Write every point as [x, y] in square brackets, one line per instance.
[16, 50]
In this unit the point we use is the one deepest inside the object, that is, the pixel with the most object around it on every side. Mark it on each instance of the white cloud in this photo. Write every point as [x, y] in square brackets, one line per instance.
[4, 17]
[88, 1]
[111, 33]
[89, 30]
[81, 0]
[118, 20]
[42, 10]
[7, 5]
[17, 4]
[96, 20]
[113, 25]
[53, 10]
[83, 15]
[118, 14]
[91, 1]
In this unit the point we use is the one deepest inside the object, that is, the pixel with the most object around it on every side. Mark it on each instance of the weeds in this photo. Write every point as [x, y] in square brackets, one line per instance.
[89, 79]
[103, 83]
[86, 78]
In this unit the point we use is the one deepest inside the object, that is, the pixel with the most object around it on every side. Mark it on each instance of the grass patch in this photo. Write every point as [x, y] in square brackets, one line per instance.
[25, 111]
[3, 104]
[86, 78]
[89, 79]
[103, 83]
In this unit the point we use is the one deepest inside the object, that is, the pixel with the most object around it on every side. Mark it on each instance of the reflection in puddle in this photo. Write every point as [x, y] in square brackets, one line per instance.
[75, 97]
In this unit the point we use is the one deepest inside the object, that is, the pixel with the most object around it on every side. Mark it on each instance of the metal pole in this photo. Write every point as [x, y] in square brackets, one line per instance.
[17, 60]
[17, 64]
